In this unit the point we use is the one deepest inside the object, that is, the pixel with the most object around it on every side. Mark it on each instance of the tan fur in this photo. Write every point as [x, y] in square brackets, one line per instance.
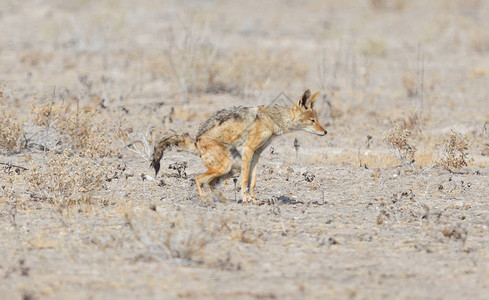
[233, 139]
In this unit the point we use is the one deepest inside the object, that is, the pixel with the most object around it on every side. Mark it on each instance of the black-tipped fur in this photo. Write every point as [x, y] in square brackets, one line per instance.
[305, 98]
[232, 113]
[179, 140]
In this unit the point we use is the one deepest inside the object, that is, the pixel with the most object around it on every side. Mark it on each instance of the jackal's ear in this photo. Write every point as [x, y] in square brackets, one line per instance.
[312, 99]
[305, 99]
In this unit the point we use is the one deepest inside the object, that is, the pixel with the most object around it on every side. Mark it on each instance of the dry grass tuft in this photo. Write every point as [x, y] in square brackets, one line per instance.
[81, 130]
[65, 179]
[42, 115]
[454, 151]
[11, 124]
[397, 140]
[87, 134]
[11, 129]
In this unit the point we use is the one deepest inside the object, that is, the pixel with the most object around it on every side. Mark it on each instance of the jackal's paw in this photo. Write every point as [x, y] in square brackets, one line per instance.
[250, 199]
[246, 198]
[254, 201]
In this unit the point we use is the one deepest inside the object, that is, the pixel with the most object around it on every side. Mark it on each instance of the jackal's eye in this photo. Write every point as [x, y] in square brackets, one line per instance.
[313, 120]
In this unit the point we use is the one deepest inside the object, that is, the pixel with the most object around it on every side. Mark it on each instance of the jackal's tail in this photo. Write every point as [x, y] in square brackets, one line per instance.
[172, 139]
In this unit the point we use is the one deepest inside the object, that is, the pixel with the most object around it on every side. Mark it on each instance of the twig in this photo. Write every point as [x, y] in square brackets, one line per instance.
[429, 167]
[10, 165]
[235, 180]
[144, 139]
[145, 151]
[458, 172]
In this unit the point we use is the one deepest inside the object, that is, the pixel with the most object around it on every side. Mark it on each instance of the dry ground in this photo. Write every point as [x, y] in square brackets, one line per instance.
[88, 86]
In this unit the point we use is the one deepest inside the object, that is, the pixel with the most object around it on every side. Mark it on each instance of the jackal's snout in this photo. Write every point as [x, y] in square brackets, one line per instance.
[318, 128]
[320, 132]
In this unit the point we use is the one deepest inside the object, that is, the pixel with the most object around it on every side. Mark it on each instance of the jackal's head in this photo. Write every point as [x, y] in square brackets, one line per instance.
[305, 117]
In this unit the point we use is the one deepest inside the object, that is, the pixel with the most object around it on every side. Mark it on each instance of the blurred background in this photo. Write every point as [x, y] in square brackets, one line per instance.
[391, 203]
[376, 62]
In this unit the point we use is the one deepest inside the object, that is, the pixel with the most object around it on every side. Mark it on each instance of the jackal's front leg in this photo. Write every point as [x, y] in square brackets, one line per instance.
[253, 172]
[245, 173]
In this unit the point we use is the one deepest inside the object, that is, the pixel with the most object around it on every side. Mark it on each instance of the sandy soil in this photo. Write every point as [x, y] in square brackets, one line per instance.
[341, 216]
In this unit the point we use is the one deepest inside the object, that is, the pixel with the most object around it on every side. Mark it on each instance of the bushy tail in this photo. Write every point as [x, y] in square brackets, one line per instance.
[179, 140]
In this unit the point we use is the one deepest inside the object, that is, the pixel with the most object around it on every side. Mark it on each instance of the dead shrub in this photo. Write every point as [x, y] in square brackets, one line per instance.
[11, 124]
[42, 115]
[11, 129]
[10, 180]
[89, 136]
[137, 141]
[454, 151]
[78, 129]
[65, 179]
[397, 141]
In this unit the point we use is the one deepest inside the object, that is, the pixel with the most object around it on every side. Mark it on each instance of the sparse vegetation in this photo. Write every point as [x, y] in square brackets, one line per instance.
[397, 140]
[77, 129]
[180, 167]
[11, 129]
[88, 87]
[454, 149]
[65, 178]
[11, 124]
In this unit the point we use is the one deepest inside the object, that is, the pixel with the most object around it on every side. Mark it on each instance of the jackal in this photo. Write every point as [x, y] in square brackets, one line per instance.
[232, 140]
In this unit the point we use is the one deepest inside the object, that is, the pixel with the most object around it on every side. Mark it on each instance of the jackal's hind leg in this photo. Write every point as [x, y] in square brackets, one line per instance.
[203, 180]
[214, 183]
[218, 162]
